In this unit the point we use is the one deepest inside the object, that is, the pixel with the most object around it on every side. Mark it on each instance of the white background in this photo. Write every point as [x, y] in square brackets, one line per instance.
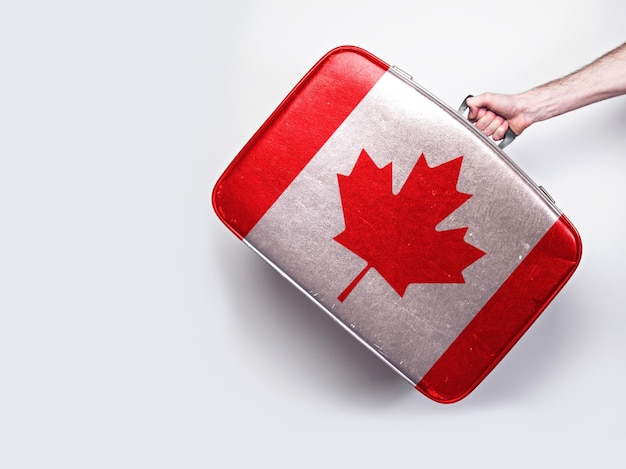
[137, 331]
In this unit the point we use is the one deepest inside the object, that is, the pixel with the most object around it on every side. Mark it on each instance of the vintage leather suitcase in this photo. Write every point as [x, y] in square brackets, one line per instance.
[400, 220]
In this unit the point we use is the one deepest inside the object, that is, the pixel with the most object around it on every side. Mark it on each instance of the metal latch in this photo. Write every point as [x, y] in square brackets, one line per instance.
[402, 72]
[545, 192]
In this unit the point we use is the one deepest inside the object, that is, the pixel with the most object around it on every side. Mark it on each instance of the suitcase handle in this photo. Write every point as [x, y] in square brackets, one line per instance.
[509, 136]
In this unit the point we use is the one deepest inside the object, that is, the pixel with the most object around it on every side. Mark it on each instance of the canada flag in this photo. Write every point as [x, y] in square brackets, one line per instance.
[400, 220]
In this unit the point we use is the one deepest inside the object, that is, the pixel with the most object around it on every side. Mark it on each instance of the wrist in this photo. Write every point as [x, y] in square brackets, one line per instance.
[539, 104]
[524, 112]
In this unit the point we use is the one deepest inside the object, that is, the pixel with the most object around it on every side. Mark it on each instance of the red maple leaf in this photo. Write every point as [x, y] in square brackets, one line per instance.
[396, 234]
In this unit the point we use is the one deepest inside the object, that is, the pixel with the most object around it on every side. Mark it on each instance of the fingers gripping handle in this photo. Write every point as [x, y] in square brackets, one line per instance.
[509, 136]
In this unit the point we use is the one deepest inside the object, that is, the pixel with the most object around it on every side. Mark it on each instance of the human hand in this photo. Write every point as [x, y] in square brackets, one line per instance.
[494, 113]
[604, 78]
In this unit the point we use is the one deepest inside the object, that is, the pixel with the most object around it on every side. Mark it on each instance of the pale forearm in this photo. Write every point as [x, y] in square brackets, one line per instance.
[602, 79]
[494, 113]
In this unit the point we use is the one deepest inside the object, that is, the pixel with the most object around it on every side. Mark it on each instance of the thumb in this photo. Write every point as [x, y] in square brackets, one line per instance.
[477, 101]
[473, 112]
[474, 103]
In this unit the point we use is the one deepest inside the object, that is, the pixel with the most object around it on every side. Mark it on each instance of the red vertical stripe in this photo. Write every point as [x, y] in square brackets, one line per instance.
[506, 316]
[292, 135]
